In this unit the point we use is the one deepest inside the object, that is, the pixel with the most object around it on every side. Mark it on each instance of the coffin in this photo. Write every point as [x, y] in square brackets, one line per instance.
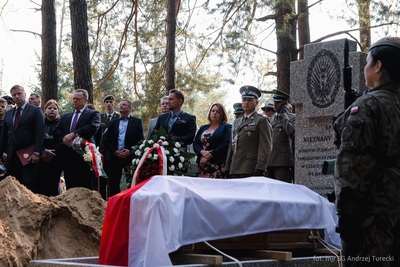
[165, 213]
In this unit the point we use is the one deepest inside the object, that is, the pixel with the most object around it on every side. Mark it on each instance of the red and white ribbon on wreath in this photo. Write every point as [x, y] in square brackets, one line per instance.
[92, 149]
[162, 162]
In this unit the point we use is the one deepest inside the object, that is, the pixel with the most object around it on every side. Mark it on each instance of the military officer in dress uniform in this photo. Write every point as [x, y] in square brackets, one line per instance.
[268, 110]
[281, 162]
[238, 110]
[251, 142]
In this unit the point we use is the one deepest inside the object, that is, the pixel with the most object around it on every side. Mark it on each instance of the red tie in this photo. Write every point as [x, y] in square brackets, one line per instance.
[17, 116]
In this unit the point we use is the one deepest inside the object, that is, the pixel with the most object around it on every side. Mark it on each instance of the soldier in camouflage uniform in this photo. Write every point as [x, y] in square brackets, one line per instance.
[367, 171]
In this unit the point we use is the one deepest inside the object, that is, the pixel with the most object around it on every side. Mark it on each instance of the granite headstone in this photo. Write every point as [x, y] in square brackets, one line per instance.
[316, 86]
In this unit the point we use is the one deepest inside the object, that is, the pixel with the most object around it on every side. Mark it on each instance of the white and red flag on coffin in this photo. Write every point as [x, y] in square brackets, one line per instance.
[144, 224]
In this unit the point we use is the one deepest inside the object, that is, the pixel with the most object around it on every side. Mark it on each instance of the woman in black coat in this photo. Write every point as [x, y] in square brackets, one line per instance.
[49, 170]
[211, 143]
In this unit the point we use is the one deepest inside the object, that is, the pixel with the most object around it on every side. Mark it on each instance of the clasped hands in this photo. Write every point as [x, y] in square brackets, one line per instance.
[205, 156]
[122, 153]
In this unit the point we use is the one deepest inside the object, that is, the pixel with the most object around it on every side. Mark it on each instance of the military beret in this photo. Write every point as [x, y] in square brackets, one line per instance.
[109, 97]
[279, 96]
[249, 91]
[237, 108]
[387, 41]
[268, 106]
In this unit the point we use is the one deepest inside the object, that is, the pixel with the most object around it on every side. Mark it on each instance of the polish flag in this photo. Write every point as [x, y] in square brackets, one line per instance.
[115, 235]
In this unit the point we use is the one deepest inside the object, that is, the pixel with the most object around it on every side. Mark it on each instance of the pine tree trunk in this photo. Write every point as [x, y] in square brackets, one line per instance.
[49, 52]
[303, 25]
[80, 46]
[170, 54]
[286, 42]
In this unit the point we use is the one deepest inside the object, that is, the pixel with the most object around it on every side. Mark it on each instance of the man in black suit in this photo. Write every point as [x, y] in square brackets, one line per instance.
[119, 139]
[181, 124]
[81, 122]
[23, 127]
[105, 119]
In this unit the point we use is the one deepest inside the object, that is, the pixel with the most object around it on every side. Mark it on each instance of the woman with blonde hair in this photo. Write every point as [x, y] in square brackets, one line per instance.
[49, 172]
[211, 143]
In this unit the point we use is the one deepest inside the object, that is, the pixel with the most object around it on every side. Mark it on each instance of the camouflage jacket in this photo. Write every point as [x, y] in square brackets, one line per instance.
[367, 171]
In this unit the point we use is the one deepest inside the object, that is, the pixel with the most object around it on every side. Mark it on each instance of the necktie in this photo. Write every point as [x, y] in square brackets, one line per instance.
[171, 122]
[17, 117]
[76, 115]
[109, 118]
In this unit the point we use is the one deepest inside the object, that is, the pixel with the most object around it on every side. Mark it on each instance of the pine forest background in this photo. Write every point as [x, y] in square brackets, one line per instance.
[138, 50]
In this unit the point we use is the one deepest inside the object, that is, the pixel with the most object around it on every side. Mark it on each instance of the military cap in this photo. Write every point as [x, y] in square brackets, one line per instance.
[249, 91]
[109, 97]
[279, 96]
[389, 41]
[237, 108]
[268, 106]
[9, 100]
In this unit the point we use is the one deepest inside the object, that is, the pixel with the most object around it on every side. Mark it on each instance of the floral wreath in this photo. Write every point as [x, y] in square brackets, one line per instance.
[161, 155]
[90, 153]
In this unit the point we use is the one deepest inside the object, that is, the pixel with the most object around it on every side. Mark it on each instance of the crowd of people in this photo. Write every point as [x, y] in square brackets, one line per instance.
[37, 145]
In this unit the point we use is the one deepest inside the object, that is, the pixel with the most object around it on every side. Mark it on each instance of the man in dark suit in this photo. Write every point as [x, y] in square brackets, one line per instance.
[251, 143]
[177, 122]
[23, 127]
[81, 122]
[119, 139]
[105, 119]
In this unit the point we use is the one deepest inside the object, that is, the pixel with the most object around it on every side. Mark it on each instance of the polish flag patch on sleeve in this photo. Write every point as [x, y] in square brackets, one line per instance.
[354, 110]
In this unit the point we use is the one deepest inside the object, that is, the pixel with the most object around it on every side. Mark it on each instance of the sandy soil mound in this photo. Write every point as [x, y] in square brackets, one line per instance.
[37, 227]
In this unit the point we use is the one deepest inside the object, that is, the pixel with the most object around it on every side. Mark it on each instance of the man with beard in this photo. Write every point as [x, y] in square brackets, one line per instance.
[180, 124]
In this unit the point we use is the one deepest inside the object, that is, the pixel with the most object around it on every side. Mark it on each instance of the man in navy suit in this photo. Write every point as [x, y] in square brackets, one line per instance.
[81, 122]
[120, 137]
[23, 127]
[177, 122]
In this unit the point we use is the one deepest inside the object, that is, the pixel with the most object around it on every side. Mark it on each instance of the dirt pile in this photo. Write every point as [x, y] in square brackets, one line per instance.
[37, 227]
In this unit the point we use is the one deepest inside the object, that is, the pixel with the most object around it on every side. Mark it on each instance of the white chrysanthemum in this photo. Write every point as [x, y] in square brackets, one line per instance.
[141, 146]
[87, 157]
[146, 148]
[166, 152]
[151, 142]
[176, 150]
[137, 153]
[155, 157]
[149, 156]
[165, 143]
[156, 145]
[163, 138]
[171, 159]
[177, 145]
[137, 161]
[171, 168]
[180, 165]
[182, 159]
